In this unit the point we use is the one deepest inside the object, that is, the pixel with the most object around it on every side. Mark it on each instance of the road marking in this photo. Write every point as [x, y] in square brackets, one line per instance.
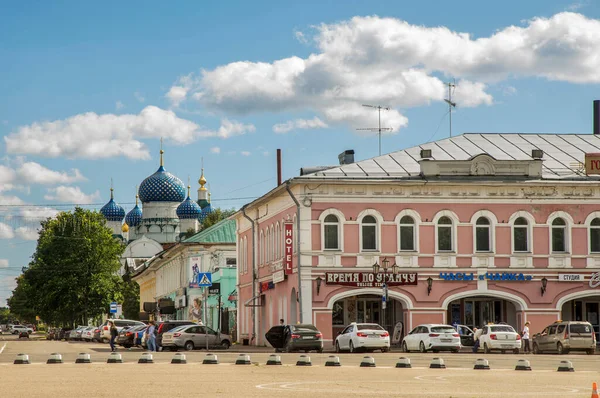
[3, 347]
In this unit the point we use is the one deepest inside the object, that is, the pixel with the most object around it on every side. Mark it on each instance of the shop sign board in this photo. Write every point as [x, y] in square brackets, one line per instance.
[490, 276]
[592, 163]
[288, 247]
[595, 280]
[278, 276]
[369, 279]
[571, 277]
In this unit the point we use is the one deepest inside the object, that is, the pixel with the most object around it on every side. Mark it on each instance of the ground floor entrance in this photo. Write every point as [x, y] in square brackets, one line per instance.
[366, 309]
[584, 309]
[477, 311]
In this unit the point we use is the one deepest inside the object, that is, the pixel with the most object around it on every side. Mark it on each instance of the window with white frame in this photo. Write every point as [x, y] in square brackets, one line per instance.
[444, 234]
[521, 235]
[369, 233]
[295, 238]
[261, 253]
[559, 235]
[331, 232]
[483, 235]
[267, 246]
[407, 233]
[277, 240]
[272, 244]
[595, 236]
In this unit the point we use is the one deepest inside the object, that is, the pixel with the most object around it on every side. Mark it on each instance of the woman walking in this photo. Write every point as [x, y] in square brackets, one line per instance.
[113, 336]
[525, 337]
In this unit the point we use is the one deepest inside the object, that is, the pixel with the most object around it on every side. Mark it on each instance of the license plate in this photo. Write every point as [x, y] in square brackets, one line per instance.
[307, 337]
[374, 336]
[446, 340]
[506, 346]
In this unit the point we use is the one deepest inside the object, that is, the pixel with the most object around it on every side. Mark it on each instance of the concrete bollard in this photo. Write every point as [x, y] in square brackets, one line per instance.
[22, 359]
[437, 363]
[566, 366]
[333, 360]
[367, 362]
[523, 364]
[243, 359]
[481, 364]
[146, 358]
[403, 362]
[210, 359]
[55, 358]
[114, 357]
[179, 358]
[304, 360]
[274, 360]
[83, 358]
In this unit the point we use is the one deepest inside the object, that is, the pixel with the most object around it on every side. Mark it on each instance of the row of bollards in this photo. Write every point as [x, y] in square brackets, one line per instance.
[303, 360]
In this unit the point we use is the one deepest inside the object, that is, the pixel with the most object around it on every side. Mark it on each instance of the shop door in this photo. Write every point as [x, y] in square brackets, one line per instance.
[591, 313]
[479, 313]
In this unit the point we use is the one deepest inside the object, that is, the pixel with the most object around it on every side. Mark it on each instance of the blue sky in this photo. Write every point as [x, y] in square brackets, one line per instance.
[88, 89]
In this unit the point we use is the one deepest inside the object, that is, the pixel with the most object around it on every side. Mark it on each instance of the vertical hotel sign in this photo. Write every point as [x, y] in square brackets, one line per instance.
[288, 246]
[592, 163]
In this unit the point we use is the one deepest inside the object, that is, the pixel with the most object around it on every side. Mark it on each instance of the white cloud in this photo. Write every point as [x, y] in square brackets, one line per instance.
[94, 136]
[300, 37]
[245, 153]
[509, 90]
[138, 96]
[35, 173]
[215, 149]
[71, 195]
[390, 62]
[119, 105]
[7, 175]
[6, 231]
[176, 94]
[11, 200]
[3, 263]
[27, 233]
[578, 5]
[37, 213]
[290, 125]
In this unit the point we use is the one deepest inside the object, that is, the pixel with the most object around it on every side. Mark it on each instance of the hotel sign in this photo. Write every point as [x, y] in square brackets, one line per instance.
[369, 279]
[288, 247]
[592, 163]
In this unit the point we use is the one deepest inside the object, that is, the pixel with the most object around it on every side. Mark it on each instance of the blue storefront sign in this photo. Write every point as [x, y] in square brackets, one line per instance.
[490, 276]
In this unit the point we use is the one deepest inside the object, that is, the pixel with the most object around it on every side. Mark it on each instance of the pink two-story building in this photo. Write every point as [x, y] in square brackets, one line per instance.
[471, 229]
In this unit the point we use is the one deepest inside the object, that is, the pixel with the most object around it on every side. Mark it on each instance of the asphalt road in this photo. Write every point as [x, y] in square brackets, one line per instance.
[132, 379]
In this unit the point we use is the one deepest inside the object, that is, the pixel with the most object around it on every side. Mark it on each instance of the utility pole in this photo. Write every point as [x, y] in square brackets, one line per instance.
[379, 129]
[451, 104]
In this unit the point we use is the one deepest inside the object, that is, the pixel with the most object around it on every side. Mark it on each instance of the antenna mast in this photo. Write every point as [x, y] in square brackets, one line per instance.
[451, 104]
[379, 129]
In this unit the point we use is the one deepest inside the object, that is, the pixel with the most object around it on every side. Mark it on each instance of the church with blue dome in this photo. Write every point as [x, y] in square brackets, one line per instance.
[166, 215]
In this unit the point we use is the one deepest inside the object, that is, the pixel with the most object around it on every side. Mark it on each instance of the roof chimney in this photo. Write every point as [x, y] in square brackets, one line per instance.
[425, 153]
[537, 153]
[346, 157]
[597, 117]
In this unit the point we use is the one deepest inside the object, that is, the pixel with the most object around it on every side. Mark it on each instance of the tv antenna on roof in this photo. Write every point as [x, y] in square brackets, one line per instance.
[380, 129]
[451, 87]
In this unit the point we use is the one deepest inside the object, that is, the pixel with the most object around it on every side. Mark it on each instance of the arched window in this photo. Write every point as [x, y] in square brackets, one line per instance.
[444, 231]
[261, 252]
[407, 233]
[277, 241]
[272, 244]
[559, 235]
[521, 235]
[267, 246]
[331, 232]
[369, 233]
[483, 236]
[595, 235]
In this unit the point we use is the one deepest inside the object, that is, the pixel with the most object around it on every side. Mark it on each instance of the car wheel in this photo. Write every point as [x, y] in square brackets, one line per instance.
[516, 351]
[337, 347]
[189, 346]
[502, 351]
[104, 340]
[385, 349]
[225, 344]
[486, 349]
[352, 347]
[536, 349]
[320, 350]
[590, 352]
[435, 351]
[404, 347]
[422, 347]
[454, 350]
[560, 349]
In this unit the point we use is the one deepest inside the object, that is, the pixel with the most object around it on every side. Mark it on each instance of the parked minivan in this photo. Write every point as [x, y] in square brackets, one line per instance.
[565, 336]
[119, 323]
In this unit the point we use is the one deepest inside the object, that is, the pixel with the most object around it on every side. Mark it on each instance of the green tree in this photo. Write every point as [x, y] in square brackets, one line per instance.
[5, 315]
[215, 216]
[131, 298]
[73, 274]
[21, 303]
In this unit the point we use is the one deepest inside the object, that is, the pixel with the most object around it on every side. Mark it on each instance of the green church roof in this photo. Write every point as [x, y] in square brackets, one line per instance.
[221, 232]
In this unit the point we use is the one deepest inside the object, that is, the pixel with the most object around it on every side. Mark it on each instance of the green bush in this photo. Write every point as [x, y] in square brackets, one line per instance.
[41, 327]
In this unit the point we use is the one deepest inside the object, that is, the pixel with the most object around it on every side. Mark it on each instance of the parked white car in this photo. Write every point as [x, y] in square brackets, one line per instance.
[15, 329]
[432, 337]
[367, 336]
[499, 338]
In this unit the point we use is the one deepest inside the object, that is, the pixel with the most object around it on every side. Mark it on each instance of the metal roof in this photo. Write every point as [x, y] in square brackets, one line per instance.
[564, 155]
[222, 232]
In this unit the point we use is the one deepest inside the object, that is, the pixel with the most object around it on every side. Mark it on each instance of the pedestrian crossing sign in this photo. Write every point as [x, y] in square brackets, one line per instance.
[205, 279]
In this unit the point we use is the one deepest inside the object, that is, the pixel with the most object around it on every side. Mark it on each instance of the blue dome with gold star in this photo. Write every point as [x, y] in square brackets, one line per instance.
[162, 186]
[112, 211]
[188, 209]
[134, 217]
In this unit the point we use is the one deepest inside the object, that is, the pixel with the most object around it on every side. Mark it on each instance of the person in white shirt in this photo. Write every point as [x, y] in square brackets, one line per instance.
[525, 337]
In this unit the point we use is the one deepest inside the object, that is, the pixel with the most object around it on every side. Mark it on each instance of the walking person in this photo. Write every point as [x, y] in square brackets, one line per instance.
[151, 337]
[113, 336]
[525, 336]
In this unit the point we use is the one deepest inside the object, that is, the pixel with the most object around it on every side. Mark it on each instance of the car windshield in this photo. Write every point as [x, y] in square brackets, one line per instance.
[303, 328]
[369, 326]
[178, 328]
[502, 329]
[580, 328]
[442, 329]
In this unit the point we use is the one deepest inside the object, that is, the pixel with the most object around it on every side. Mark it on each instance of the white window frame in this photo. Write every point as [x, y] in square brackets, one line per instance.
[261, 252]
[454, 228]
[588, 224]
[417, 219]
[277, 240]
[530, 225]
[493, 224]
[568, 229]
[272, 244]
[379, 221]
[341, 223]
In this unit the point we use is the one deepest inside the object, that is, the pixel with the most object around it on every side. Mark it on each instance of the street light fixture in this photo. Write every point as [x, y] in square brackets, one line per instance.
[384, 267]
[376, 268]
[429, 285]
[544, 283]
[319, 281]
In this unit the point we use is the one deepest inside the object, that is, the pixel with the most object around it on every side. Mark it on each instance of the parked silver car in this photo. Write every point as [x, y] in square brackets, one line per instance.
[191, 337]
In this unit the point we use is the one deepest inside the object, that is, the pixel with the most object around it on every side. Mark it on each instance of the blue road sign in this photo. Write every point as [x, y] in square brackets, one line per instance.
[204, 279]
[113, 308]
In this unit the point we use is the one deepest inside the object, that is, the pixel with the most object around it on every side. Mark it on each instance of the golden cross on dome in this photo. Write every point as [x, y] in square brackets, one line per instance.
[111, 188]
[189, 186]
[136, 195]
[161, 151]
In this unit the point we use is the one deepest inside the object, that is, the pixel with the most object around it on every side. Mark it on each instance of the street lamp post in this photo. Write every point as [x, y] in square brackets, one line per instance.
[385, 265]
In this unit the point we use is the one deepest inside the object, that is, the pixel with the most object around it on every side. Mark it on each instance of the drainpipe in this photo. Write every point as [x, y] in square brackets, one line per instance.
[287, 187]
[253, 275]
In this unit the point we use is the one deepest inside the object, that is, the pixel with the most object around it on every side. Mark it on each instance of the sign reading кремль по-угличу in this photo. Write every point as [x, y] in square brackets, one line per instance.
[369, 279]
[490, 276]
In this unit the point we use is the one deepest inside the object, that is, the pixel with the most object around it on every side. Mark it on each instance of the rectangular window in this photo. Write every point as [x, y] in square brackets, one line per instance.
[407, 238]
[331, 237]
[369, 237]
[520, 239]
[558, 240]
[482, 237]
[445, 239]
[595, 240]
